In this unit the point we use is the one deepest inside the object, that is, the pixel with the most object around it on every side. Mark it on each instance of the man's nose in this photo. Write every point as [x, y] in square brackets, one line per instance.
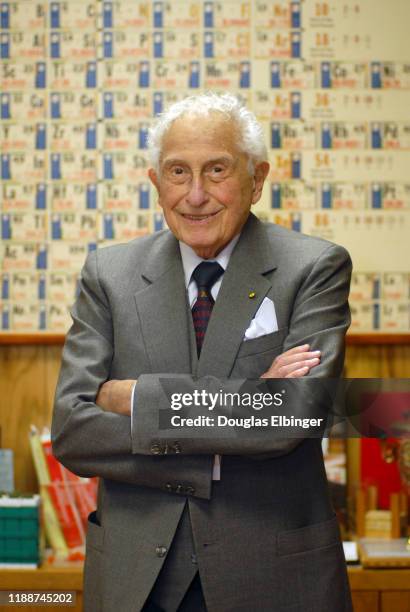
[197, 194]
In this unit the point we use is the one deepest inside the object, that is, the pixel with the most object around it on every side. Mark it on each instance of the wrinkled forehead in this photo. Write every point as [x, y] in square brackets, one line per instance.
[193, 131]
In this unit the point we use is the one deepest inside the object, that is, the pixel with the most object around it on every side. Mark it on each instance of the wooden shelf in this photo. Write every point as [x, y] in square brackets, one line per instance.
[378, 590]
[42, 338]
[44, 578]
[71, 578]
[378, 579]
[378, 339]
[46, 338]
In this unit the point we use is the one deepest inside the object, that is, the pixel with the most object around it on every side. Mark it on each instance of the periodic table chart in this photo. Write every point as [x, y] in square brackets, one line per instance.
[81, 81]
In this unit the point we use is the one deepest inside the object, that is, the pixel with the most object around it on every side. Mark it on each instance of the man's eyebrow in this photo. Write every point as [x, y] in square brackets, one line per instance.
[220, 159]
[170, 161]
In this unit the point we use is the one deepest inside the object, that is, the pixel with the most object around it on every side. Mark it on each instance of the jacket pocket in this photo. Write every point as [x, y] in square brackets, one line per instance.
[311, 537]
[256, 356]
[95, 532]
[263, 343]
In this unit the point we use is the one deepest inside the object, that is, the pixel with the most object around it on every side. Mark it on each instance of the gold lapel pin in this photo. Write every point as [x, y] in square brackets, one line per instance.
[251, 295]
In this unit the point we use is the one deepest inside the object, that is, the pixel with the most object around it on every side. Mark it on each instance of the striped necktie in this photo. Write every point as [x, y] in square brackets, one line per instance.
[205, 275]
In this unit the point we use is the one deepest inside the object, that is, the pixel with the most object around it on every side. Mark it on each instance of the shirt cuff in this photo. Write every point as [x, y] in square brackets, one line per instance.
[132, 404]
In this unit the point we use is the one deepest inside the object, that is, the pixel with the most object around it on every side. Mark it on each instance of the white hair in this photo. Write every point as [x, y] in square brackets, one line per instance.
[251, 138]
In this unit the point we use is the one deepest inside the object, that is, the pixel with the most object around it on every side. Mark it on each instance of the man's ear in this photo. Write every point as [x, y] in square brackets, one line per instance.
[153, 177]
[260, 174]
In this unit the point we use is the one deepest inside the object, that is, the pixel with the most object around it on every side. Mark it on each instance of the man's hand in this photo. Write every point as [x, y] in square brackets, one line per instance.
[294, 363]
[115, 396]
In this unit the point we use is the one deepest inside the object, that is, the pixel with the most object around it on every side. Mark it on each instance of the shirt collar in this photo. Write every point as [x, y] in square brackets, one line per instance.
[190, 260]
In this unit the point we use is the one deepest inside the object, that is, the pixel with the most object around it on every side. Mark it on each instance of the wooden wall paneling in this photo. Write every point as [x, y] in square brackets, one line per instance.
[385, 361]
[27, 381]
[395, 601]
[365, 601]
[52, 369]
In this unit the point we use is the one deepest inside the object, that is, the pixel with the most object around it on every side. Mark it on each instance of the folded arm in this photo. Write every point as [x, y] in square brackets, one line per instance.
[320, 318]
[92, 441]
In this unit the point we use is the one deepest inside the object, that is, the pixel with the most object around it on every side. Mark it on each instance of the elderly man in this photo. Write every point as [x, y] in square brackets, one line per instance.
[203, 523]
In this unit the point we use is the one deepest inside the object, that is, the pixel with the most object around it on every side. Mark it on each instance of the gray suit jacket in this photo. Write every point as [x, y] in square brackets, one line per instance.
[265, 537]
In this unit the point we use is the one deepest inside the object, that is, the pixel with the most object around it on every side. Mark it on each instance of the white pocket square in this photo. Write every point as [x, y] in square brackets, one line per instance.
[264, 321]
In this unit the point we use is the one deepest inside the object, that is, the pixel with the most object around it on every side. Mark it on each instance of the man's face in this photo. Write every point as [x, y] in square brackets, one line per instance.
[204, 186]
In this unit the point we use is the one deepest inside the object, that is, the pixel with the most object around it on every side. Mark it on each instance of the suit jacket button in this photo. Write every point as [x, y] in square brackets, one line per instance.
[190, 490]
[194, 559]
[177, 448]
[179, 488]
[156, 449]
[161, 551]
[168, 486]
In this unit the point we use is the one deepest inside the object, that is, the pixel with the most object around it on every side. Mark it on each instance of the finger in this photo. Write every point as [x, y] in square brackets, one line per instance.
[278, 371]
[307, 363]
[285, 360]
[295, 360]
[298, 373]
[297, 349]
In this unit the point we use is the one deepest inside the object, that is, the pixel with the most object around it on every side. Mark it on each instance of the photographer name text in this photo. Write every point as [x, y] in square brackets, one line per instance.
[277, 420]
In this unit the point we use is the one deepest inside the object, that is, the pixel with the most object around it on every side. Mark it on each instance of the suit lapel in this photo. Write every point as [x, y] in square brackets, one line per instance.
[163, 309]
[235, 306]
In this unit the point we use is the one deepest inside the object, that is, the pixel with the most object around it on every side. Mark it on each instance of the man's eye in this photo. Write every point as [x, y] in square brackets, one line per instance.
[177, 170]
[217, 169]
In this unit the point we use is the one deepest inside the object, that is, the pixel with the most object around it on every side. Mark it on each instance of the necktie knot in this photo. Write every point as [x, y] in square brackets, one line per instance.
[206, 274]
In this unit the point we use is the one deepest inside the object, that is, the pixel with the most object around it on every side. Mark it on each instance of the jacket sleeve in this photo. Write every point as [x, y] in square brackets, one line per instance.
[85, 438]
[321, 314]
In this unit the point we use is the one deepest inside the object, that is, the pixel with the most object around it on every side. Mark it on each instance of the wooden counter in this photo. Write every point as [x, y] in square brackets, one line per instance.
[373, 590]
[45, 578]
